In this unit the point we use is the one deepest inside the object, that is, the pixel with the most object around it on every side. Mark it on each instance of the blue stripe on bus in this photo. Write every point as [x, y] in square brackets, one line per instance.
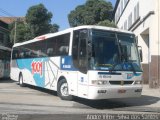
[67, 63]
[39, 76]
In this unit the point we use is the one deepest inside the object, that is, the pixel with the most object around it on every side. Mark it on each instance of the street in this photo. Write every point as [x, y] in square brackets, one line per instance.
[30, 101]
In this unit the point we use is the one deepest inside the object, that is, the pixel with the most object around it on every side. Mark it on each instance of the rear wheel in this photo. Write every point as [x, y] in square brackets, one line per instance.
[62, 90]
[21, 80]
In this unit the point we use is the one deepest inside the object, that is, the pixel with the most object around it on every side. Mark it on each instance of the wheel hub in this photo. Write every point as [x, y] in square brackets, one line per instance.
[64, 89]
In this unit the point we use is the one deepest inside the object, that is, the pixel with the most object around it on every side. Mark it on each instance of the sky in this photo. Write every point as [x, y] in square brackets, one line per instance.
[59, 8]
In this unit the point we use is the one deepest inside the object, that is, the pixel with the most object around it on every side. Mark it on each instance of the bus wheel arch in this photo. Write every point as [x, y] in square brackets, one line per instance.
[21, 80]
[62, 89]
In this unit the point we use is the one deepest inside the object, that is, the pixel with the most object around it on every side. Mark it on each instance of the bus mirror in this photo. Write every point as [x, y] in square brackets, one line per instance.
[140, 53]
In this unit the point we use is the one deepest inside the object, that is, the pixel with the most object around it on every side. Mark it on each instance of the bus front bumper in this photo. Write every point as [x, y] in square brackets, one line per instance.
[95, 92]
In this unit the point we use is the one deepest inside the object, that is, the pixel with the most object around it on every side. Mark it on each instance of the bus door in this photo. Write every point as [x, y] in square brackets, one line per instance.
[82, 64]
[79, 56]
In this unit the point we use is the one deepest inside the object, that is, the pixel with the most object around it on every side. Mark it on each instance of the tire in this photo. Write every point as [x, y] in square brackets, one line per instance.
[21, 80]
[62, 90]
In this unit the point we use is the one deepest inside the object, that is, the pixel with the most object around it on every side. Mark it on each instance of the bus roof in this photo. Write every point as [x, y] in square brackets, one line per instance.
[45, 36]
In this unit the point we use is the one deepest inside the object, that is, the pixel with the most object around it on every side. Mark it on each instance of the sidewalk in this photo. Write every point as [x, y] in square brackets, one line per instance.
[149, 101]
[151, 95]
[150, 91]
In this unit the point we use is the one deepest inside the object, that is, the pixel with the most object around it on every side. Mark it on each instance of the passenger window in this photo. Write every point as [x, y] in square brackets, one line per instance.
[58, 45]
[50, 51]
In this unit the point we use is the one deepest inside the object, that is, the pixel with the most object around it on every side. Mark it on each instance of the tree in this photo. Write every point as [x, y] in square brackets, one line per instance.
[107, 23]
[54, 28]
[91, 13]
[21, 31]
[39, 20]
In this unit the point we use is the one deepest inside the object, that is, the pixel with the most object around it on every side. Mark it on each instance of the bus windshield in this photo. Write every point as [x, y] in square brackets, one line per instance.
[113, 51]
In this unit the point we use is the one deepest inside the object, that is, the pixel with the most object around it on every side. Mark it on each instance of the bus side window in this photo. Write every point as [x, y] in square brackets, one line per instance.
[63, 44]
[27, 54]
[22, 55]
[15, 53]
[51, 45]
[63, 50]
[50, 51]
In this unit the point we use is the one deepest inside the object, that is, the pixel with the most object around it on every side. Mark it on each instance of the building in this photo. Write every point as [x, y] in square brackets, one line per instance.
[4, 29]
[143, 18]
[4, 34]
[10, 20]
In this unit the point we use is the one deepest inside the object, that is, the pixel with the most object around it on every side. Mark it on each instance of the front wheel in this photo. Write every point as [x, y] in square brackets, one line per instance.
[62, 90]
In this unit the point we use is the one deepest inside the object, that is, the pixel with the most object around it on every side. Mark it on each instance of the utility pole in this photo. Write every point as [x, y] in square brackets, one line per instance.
[15, 30]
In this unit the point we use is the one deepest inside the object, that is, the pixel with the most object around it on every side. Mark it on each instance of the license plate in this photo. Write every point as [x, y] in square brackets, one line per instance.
[121, 91]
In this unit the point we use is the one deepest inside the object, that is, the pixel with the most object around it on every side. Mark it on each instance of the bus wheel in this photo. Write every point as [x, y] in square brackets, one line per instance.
[21, 80]
[62, 90]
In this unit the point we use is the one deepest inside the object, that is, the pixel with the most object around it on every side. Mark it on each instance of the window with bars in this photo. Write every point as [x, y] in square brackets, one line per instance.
[125, 25]
[136, 12]
[1, 37]
[130, 20]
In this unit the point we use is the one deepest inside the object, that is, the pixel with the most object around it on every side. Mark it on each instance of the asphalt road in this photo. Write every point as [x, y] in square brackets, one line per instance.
[24, 103]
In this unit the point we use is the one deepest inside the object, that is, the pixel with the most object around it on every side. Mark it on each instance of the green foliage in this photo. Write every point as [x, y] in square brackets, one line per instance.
[91, 13]
[37, 22]
[21, 31]
[107, 23]
[54, 28]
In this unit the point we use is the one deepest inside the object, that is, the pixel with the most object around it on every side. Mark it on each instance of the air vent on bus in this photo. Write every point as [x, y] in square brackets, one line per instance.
[120, 82]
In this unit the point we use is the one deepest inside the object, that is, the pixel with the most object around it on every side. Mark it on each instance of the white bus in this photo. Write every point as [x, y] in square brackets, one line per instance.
[91, 62]
[5, 55]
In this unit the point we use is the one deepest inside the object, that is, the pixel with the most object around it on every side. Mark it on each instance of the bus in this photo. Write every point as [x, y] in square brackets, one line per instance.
[5, 55]
[91, 62]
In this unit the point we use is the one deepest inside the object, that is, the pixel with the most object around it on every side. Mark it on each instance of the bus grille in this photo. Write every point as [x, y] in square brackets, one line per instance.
[121, 82]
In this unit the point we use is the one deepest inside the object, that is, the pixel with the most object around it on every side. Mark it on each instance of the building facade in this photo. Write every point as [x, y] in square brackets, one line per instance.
[10, 20]
[4, 29]
[4, 34]
[143, 18]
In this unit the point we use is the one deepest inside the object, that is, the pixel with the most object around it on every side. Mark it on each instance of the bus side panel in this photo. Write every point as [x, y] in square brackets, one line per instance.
[41, 72]
[52, 67]
[71, 78]
[33, 70]
[70, 73]
[14, 74]
[7, 69]
[82, 85]
[73, 83]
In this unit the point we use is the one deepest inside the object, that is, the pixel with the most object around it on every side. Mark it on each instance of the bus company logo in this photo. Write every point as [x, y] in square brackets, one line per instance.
[129, 75]
[37, 67]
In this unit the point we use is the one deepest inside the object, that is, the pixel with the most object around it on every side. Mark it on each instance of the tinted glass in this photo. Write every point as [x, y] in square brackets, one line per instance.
[75, 48]
[58, 45]
[114, 51]
[54, 46]
[104, 50]
[5, 55]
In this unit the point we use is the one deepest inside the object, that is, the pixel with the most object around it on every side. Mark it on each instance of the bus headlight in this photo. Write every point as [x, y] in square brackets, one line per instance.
[138, 82]
[99, 82]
